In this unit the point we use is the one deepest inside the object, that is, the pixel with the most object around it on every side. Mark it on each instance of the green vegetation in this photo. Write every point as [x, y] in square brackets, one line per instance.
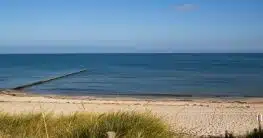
[91, 125]
[80, 125]
[255, 134]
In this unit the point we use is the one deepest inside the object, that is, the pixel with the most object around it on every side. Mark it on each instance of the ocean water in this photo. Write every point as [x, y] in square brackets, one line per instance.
[137, 74]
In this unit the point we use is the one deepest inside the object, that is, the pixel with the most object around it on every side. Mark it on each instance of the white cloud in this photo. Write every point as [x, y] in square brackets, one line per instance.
[186, 7]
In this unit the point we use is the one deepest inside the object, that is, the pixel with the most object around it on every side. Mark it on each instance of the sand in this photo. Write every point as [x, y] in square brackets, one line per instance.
[196, 116]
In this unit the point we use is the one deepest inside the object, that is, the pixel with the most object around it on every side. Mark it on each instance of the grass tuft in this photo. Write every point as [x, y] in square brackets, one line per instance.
[84, 125]
[255, 134]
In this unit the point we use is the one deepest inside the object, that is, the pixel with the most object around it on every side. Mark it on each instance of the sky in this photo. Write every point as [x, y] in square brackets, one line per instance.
[65, 26]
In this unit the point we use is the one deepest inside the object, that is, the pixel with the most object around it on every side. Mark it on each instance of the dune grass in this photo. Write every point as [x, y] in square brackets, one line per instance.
[255, 134]
[84, 125]
[91, 125]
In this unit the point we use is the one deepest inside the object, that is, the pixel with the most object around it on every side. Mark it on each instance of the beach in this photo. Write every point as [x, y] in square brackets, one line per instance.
[195, 116]
[132, 69]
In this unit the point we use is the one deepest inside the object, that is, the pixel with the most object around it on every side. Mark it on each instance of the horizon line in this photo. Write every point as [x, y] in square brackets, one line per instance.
[71, 53]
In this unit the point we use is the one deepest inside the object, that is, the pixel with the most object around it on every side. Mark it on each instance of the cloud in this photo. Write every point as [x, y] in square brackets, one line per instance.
[186, 7]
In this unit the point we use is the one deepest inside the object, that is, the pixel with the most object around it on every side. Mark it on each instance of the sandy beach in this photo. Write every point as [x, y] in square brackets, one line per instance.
[196, 116]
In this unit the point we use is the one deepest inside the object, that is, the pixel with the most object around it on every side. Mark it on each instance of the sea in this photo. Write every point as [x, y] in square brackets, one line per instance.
[137, 74]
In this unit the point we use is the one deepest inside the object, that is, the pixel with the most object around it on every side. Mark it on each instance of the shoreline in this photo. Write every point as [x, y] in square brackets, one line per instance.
[137, 96]
[205, 99]
[197, 116]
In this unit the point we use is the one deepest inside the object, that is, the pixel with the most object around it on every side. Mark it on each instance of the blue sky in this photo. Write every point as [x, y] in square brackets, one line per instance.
[35, 26]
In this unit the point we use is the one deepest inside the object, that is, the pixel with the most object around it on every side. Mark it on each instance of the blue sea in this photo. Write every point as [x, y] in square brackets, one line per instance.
[137, 74]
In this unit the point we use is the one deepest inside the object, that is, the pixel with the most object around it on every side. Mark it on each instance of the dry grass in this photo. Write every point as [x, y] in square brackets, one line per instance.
[84, 125]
